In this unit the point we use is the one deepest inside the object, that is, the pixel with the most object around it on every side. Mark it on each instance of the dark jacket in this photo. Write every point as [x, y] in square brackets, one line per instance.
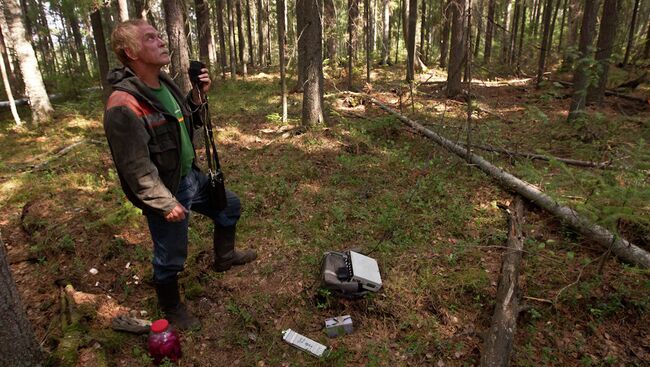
[145, 140]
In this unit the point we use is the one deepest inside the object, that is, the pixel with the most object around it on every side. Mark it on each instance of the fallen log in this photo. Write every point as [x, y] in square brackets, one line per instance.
[623, 249]
[609, 92]
[500, 337]
[533, 156]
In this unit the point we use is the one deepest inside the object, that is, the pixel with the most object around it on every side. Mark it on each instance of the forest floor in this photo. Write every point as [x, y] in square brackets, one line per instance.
[364, 181]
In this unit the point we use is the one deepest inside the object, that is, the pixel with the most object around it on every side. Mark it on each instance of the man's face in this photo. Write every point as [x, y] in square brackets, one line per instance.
[153, 50]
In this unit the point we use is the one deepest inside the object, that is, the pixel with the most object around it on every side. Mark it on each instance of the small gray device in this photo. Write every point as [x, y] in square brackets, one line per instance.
[350, 273]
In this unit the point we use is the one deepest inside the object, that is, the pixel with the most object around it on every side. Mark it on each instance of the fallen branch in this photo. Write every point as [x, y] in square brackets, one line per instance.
[573, 162]
[608, 92]
[500, 336]
[58, 155]
[623, 249]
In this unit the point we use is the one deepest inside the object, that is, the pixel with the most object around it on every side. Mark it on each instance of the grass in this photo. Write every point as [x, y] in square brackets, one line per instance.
[431, 222]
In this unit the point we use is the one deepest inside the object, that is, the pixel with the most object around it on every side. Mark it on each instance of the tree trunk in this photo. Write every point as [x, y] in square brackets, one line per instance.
[177, 43]
[513, 35]
[630, 36]
[580, 78]
[78, 40]
[489, 30]
[552, 29]
[500, 337]
[564, 13]
[34, 87]
[240, 36]
[521, 35]
[479, 27]
[454, 71]
[141, 9]
[12, 80]
[604, 47]
[222, 38]
[646, 52]
[267, 15]
[538, 13]
[310, 50]
[251, 55]
[19, 346]
[331, 36]
[548, 10]
[397, 36]
[372, 26]
[261, 53]
[123, 10]
[410, 40]
[446, 26]
[231, 40]
[505, 32]
[51, 62]
[366, 10]
[281, 10]
[385, 33]
[353, 14]
[203, 30]
[10, 96]
[423, 28]
[623, 249]
[100, 48]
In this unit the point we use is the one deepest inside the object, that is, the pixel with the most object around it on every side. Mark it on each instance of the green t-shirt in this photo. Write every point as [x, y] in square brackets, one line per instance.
[187, 151]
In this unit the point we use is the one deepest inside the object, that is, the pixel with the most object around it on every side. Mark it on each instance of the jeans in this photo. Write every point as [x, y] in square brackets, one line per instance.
[170, 238]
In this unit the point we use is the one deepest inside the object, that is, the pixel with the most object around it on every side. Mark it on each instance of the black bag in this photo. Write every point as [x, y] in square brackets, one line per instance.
[217, 187]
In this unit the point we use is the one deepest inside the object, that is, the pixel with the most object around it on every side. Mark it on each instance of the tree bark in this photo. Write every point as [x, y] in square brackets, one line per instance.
[580, 79]
[506, 31]
[353, 13]
[410, 40]
[267, 18]
[623, 249]
[177, 44]
[45, 38]
[123, 10]
[500, 337]
[385, 32]
[538, 13]
[552, 29]
[222, 38]
[251, 54]
[10, 96]
[203, 29]
[310, 50]
[548, 9]
[479, 27]
[19, 347]
[366, 10]
[446, 27]
[521, 35]
[231, 40]
[241, 38]
[561, 36]
[630, 36]
[261, 53]
[515, 31]
[604, 47]
[489, 30]
[331, 37]
[100, 48]
[423, 29]
[34, 86]
[646, 52]
[13, 82]
[281, 10]
[454, 71]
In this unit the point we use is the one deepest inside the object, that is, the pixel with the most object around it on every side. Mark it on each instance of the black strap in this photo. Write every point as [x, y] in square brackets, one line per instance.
[210, 147]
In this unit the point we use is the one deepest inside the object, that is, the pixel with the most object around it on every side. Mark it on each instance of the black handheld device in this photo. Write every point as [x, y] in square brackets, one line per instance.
[194, 71]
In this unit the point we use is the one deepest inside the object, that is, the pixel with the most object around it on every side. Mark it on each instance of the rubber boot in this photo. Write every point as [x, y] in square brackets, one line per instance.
[225, 255]
[175, 311]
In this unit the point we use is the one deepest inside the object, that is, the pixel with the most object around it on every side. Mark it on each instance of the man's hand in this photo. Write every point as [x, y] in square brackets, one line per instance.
[204, 85]
[177, 214]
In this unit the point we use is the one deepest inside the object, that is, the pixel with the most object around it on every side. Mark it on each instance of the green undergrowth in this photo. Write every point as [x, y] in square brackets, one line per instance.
[432, 222]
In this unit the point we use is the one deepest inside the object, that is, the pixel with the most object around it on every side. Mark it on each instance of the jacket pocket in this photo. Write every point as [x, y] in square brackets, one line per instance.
[163, 147]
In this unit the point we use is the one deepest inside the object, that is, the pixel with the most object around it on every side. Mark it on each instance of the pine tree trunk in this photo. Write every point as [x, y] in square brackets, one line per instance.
[13, 81]
[123, 10]
[177, 44]
[100, 48]
[561, 36]
[281, 10]
[373, 25]
[231, 40]
[261, 53]
[489, 31]
[51, 62]
[222, 38]
[78, 41]
[446, 27]
[385, 32]
[331, 37]
[604, 47]
[366, 10]
[506, 31]
[454, 71]
[10, 95]
[397, 36]
[423, 27]
[203, 30]
[538, 13]
[353, 13]
[548, 10]
[267, 15]
[580, 78]
[34, 86]
[405, 21]
[479, 27]
[630, 36]
[310, 50]
[251, 54]
[240, 34]
[513, 35]
[140, 9]
[19, 347]
[410, 40]
[552, 29]
[646, 52]
[521, 35]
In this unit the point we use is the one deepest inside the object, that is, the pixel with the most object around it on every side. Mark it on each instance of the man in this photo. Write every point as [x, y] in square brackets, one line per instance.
[149, 126]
